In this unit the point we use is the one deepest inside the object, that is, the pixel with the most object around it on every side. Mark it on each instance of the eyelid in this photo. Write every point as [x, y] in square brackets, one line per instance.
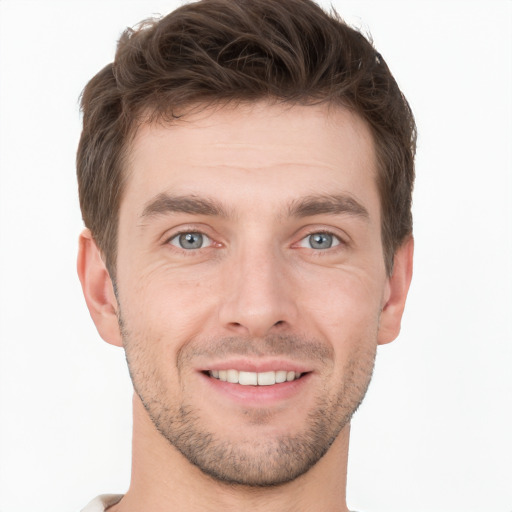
[179, 229]
[338, 233]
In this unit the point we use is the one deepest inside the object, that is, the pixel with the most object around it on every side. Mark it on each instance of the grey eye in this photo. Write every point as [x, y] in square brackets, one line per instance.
[320, 241]
[188, 241]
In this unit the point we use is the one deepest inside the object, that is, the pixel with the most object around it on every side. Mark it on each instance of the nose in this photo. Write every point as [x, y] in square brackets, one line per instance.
[259, 296]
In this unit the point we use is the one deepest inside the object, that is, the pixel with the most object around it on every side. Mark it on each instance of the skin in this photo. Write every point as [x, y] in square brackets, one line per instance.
[255, 294]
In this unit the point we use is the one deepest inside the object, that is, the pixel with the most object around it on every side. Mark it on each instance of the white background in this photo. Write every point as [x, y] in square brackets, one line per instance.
[434, 433]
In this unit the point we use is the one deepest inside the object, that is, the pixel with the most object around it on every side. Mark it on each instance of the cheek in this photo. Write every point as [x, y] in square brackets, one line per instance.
[343, 301]
[167, 305]
[345, 311]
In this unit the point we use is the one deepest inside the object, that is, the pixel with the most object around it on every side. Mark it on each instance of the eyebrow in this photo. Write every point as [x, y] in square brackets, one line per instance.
[164, 204]
[327, 204]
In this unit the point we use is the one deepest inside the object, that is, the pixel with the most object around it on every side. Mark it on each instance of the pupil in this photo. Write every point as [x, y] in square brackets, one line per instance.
[321, 241]
[191, 240]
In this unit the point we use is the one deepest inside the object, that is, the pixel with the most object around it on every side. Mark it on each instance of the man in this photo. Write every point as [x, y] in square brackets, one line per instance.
[245, 174]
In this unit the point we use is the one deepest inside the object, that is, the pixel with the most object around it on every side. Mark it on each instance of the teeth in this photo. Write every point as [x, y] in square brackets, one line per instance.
[281, 376]
[267, 378]
[247, 378]
[253, 378]
[232, 376]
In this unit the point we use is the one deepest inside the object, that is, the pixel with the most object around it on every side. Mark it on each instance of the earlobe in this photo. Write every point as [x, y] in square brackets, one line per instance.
[98, 289]
[397, 288]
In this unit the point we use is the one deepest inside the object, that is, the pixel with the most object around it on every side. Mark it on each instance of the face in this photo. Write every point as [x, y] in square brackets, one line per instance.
[250, 283]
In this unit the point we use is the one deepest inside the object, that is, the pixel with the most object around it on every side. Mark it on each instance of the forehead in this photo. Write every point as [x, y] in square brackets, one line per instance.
[276, 150]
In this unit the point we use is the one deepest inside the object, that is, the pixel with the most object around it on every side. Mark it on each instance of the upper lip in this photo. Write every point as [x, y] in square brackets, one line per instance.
[257, 366]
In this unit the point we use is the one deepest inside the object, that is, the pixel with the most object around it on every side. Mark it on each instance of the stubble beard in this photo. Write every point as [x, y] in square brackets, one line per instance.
[263, 462]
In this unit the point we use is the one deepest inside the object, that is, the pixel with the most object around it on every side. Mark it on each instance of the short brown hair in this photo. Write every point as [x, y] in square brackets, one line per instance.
[240, 50]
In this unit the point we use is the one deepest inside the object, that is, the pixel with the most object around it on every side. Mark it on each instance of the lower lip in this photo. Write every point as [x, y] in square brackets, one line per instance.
[257, 395]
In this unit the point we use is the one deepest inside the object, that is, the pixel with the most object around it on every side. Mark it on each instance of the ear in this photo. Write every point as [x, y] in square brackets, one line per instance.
[396, 293]
[98, 289]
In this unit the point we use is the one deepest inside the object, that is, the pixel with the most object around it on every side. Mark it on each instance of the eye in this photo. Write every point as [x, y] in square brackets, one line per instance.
[319, 241]
[190, 240]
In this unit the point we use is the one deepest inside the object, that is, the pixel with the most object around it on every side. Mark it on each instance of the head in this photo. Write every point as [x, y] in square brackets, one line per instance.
[224, 51]
[245, 173]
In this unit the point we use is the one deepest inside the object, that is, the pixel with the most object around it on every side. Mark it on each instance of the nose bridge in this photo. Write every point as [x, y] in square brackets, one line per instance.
[258, 298]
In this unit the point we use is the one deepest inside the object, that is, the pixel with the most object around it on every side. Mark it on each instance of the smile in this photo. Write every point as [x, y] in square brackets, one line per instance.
[254, 378]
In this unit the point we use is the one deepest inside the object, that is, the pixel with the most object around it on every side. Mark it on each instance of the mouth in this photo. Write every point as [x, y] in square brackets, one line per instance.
[245, 378]
[257, 384]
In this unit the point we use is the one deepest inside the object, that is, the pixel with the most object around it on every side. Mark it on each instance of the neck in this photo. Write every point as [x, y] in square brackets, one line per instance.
[163, 480]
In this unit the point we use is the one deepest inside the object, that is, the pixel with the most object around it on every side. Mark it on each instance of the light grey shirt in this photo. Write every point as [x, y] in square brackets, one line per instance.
[101, 503]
